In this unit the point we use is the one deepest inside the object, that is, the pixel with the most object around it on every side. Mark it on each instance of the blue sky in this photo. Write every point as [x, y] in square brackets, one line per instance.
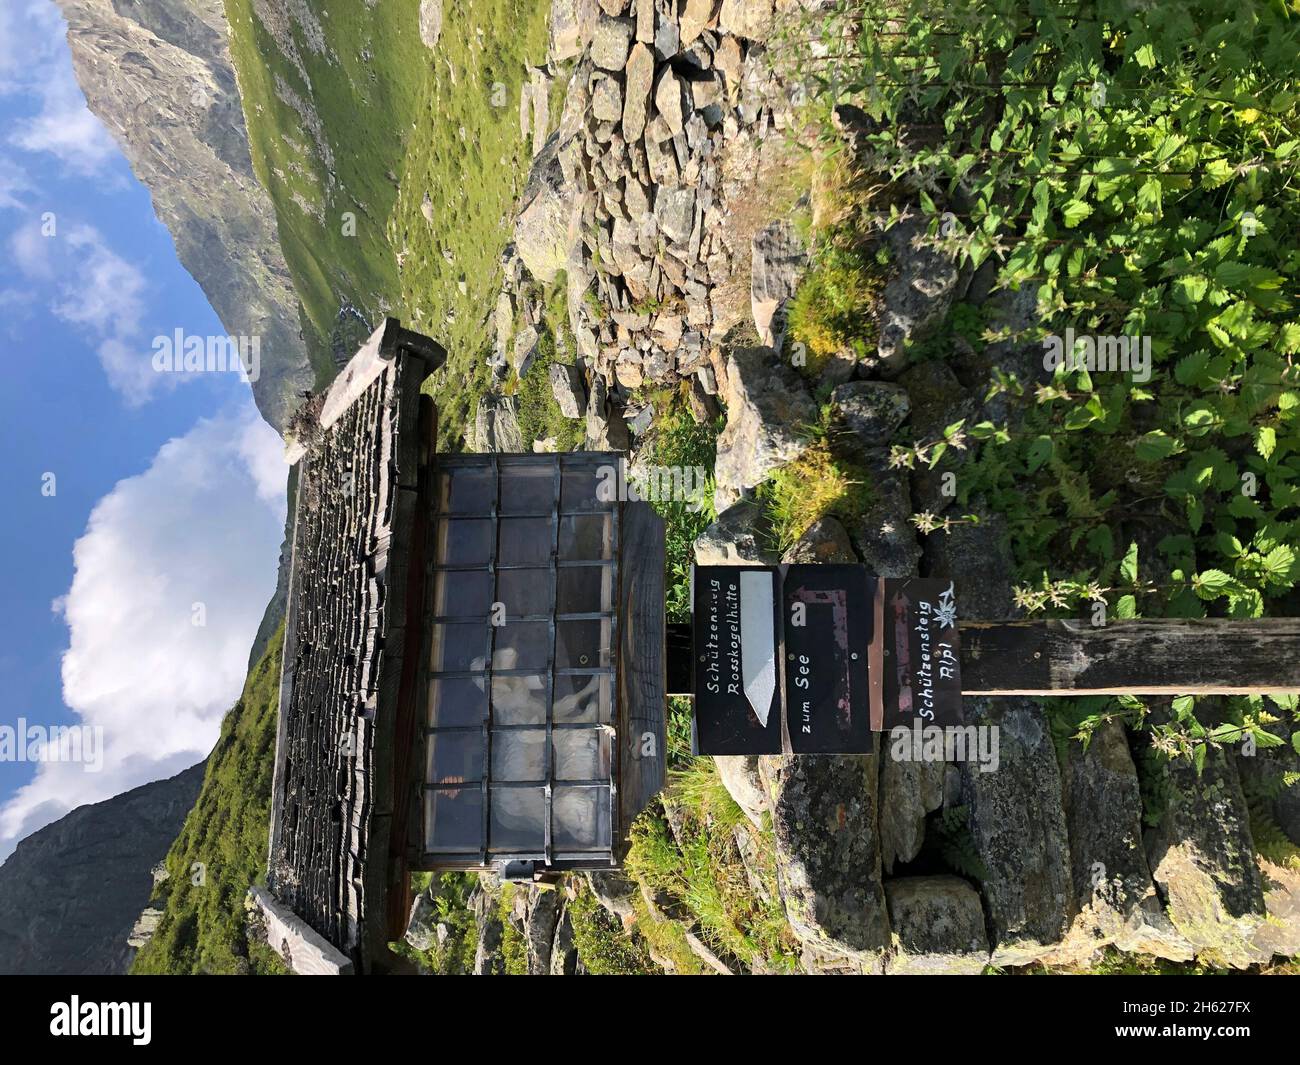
[133, 590]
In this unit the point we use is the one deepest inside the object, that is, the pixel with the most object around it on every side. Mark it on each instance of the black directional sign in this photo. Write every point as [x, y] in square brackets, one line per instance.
[737, 672]
[828, 625]
[921, 658]
[812, 659]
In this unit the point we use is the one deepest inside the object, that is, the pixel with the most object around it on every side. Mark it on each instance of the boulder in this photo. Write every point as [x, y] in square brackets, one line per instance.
[564, 950]
[938, 922]
[430, 22]
[668, 100]
[747, 18]
[914, 303]
[524, 350]
[825, 541]
[667, 39]
[421, 925]
[978, 557]
[1202, 856]
[569, 388]
[1112, 882]
[548, 226]
[496, 425]
[740, 776]
[694, 19]
[1264, 772]
[872, 410]
[909, 789]
[1017, 828]
[739, 537]
[606, 429]
[884, 536]
[675, 213]
[637, 79]
[543, 915]
[828, 854]
[778, 259]
[571, 26]
[615, 893]
[488, 957]
[607, 99]
[610, 43]
[768, 408]
[645, 21]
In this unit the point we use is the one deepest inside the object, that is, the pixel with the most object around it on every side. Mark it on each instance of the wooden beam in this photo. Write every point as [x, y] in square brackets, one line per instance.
[1166, 656]
[303, 949]
[642, 698]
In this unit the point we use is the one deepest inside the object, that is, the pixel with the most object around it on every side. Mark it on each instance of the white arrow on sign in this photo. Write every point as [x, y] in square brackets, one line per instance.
[757, 641]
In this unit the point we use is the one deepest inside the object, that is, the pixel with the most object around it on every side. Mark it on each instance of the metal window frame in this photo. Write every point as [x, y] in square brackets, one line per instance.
[498, 467]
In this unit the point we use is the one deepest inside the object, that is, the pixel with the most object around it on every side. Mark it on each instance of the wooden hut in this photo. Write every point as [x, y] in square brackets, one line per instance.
[473, 664]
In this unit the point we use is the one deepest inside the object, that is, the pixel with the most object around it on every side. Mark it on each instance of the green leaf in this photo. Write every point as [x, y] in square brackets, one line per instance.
[1156, 445]
[1075, 212]
[1279, 564]
[1039, 452]
[1265, 440]
[1211, 583]
[1126, 608]
[1128, 568]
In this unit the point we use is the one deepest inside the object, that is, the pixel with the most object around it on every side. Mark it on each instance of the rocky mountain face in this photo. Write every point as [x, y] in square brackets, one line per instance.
[71, 893]
[158, 74]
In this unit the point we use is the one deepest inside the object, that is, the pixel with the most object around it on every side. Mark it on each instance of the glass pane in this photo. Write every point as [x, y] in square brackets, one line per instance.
[525, 591]
[581, 819]
[586, 536]
[519, 754]
[519, 700]
[457, 701]
[518, 817]
[453, 819]
[580, 699]
[589, 487]
[582, 644]
[462, 593]
[525, 541]
[458, 647]
[528, 489]
[584, 589]
[466, 489]
[454, 758]
[463, 541]
[522, 645]
[581, 754]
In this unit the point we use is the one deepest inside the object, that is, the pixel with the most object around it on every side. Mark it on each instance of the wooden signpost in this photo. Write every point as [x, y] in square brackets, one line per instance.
[814, 659]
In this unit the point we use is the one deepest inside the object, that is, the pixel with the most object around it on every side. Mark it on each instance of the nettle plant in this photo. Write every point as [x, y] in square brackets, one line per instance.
[1137, 166]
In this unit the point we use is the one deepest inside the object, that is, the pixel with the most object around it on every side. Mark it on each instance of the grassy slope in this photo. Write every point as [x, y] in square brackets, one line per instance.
[224, 839]
[386, 107]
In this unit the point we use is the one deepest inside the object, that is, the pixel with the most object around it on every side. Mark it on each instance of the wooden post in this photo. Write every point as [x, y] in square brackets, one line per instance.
[1166, 656]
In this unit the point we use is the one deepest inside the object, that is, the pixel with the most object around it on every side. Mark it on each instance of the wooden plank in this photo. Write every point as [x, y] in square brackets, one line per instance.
[371, 360]
[1166, 656]
[288, 654]
[303, 949]
[642, 676]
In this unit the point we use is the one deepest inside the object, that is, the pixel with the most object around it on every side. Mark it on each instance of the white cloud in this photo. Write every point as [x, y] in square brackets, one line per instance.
[94, 288]
[201, 526]
[34, 63]
[66, 129]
